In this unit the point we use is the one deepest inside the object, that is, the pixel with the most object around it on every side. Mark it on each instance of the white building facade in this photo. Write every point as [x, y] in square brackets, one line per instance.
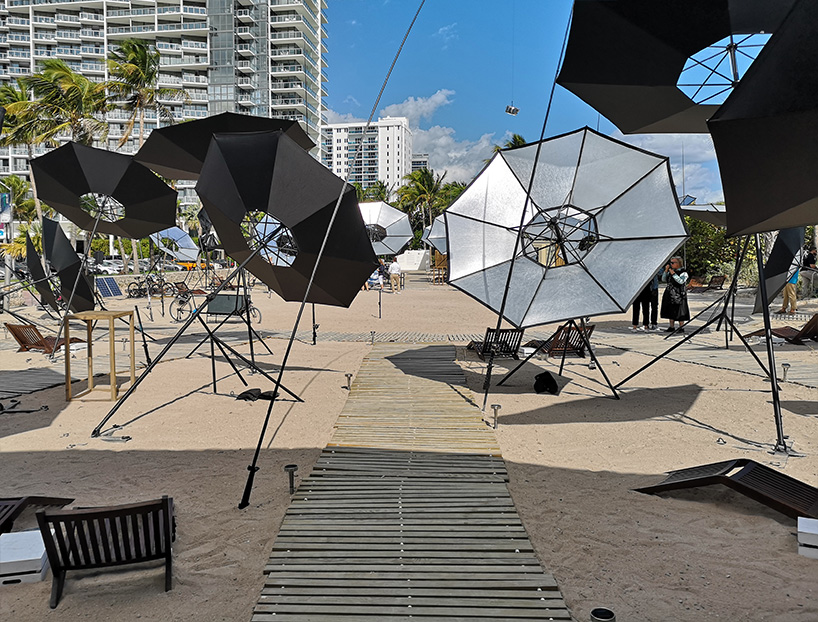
[261, 57]
[386, 151]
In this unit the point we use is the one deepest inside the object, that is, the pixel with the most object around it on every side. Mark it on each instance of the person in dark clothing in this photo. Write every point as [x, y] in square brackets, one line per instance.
[642, 302]
[654, 301]
[674, 301]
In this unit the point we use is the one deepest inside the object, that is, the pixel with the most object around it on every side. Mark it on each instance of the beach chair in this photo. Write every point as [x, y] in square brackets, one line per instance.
[29, 338]
[217, 282]
[795, 336]
[757, 481]
[716, 282]
[567, 339]
[11, 508]
[81, 539]
[182, 288]
[505, 342]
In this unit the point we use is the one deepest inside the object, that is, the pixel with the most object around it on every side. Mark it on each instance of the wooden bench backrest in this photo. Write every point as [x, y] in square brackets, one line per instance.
[573, 337]
[111, 536]
[717, 282]
[809, 330]
[8, 511]
[506, 340]
[181, 287]
[27, 336]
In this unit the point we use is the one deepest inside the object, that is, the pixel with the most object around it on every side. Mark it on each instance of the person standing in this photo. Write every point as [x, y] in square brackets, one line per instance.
[808, 272]
[674, 301]
[790, 299]
[642, 302]
[654, 301]
[382, 273]
[394, 275]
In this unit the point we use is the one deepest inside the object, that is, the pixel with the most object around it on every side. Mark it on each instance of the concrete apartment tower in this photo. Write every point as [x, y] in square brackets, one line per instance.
[386, 155]
[261, 57]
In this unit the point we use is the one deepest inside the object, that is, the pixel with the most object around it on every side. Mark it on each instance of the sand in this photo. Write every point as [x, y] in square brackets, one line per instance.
[573, 460]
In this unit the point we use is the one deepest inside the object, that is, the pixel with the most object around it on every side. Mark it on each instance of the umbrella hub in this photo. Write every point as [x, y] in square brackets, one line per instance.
[277, 242]
[710, 75]
[376, 232]
[559, 236]
[106, 207]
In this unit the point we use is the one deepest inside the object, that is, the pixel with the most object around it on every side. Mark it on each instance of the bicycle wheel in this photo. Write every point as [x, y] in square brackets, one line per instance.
[134, 291]
[169, 289]
[255, 315]
[180, 309]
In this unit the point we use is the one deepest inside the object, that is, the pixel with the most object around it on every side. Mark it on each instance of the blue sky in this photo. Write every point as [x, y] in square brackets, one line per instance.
[463, 63]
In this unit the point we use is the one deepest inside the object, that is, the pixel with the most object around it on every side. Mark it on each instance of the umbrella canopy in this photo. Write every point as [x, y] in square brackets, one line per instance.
[67, 265]
[783, 262]
[248, 175]
[602, 218]
[626, 58]
[35, 267]
[707, 212]
[435, 235]
[134, 202]
[388, 228]
[766, 132]
[182, 246]
[178, 151]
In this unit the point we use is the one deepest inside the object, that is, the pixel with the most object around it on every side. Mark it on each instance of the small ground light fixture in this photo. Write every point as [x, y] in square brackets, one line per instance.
[349, 381]
[786, 367]
[512, 110]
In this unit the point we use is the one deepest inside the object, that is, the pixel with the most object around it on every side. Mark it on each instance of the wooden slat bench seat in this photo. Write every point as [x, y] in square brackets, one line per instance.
[792, 335]
[757, 481]
[119, 535]
[505, 342]
[567, 339]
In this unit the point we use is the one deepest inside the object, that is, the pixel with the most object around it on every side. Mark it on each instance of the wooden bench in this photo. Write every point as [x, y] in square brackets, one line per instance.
[119, 535]
[29, 338]
[757, 481]
[716, 282]
[792, 335]
[11, 508]
[182, 288]
[505, 342]
[566, 340]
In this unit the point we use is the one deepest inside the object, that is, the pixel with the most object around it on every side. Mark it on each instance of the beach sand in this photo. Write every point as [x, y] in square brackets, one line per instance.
[573, 460]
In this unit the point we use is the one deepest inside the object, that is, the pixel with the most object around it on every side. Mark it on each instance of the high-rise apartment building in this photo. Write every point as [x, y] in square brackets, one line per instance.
[261, 57]
[386, 151]
[420, 161]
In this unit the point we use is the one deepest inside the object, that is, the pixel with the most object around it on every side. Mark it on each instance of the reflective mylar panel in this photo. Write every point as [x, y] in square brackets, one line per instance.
[607, 169]
[495, 196]
[648, 209]
[475, 245]
[623, 267]
[555, 168]
[565, 293]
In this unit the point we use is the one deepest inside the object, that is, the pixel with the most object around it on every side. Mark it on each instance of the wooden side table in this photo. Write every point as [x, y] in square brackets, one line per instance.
[89, 317]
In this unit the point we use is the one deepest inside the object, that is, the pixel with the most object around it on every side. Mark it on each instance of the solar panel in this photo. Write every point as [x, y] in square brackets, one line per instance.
[108, 287]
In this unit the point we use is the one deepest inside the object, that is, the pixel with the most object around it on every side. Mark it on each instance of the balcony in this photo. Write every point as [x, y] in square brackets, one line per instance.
[244, 32]
[91, 17]
[245, 49]
[246, 83]
[245, 66]
[244, 15]
[67, 19]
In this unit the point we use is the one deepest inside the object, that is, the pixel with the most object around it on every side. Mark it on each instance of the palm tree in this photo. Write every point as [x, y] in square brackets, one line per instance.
[360, 193]
[64, 102]
[134, 66]
[22, 204]
[516, 140]
[421, 194]
[449, 193]
[379, 191]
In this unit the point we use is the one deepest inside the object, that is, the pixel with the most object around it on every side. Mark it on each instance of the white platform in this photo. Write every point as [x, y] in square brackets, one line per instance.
[22, 557]
[808, 537]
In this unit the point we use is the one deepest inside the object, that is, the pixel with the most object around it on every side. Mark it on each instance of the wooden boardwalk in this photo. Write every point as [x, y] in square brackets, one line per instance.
[406, 515]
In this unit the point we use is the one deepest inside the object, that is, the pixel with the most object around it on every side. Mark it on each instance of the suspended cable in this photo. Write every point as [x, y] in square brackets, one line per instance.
[253, 468]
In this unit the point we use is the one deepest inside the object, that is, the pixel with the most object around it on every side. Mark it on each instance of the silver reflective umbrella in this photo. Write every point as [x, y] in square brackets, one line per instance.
[388, 228]
[180, 245]
[435, 235]
[280, 248]
[602, 218]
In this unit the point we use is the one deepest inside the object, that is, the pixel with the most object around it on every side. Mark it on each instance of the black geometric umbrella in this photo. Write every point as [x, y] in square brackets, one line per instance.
[766, 132]
[178, 151]
[627, 58]
[38, 277]
[132, 200]
[784, 261]
[67, 264]
[706, 212]
[249, 175]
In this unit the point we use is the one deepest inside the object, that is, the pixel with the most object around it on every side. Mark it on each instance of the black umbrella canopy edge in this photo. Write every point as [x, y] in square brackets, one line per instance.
[38, 276]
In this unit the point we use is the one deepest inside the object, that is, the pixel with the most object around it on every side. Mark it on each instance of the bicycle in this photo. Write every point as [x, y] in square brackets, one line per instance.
[156, 285]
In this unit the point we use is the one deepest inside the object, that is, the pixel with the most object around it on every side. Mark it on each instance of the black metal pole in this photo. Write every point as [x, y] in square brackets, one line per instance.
[780, 444]
[142, 332]
[314, 327]
[601, 369]
[253, 468]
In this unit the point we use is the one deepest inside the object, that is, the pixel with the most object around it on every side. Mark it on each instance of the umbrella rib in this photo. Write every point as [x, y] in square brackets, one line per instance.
[716, 94]
[634, 184]
[594, 279]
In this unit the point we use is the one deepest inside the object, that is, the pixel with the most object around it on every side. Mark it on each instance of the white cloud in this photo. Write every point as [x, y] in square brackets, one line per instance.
[417, 108]
[347, 117]
[447, 34]
[461, 159]
[351, 100]
[700, 181]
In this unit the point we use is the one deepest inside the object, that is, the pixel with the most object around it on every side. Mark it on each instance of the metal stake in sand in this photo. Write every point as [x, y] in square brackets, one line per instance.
[786, 368]
[372, 337]
[495, 408]
[291, 469]
[349, 381]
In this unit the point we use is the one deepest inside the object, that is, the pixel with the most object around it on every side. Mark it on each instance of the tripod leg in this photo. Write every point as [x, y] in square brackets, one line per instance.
[564, 336]
[601, 369]
[213, 363]
[749, 349]
[528, 358]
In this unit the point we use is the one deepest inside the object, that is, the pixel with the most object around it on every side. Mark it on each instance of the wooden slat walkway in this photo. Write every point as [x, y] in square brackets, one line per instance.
[406, 514]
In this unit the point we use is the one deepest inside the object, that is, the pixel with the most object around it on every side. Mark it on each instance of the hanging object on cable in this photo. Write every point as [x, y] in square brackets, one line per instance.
[511, 108]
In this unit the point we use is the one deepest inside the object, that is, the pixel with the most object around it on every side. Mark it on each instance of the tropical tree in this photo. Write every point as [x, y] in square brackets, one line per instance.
[421, 195]
[449, 193]
[134, 67]
[516, 140]
[22, 203]
[379, 191]
[63, 102]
